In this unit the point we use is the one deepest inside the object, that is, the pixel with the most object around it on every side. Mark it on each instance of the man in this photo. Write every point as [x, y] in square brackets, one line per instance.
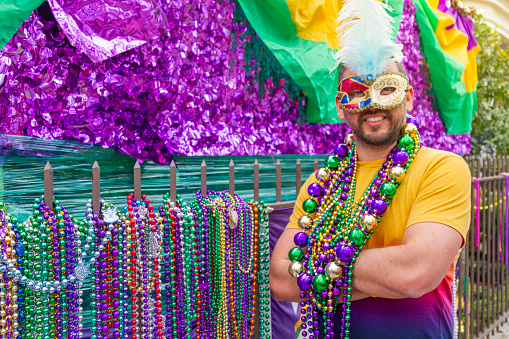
[398, 284]
[402, 279]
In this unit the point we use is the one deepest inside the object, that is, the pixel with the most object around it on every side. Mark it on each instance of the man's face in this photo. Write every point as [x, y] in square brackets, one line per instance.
[375, 127]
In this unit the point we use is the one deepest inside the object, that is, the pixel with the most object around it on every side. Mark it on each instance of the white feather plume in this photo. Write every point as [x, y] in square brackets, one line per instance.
[365, 34]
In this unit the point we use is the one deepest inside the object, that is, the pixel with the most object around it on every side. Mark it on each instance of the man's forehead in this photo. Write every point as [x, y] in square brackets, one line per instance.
[391, 67]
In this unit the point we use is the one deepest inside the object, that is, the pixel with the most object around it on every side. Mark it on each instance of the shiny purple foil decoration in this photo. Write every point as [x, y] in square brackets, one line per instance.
[105, 28]
[185, 92]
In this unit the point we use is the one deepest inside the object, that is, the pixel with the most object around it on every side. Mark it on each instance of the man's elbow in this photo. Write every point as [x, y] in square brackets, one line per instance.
[417, 285]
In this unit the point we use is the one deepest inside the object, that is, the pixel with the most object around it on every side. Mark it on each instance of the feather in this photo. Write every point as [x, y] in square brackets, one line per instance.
[365, 34]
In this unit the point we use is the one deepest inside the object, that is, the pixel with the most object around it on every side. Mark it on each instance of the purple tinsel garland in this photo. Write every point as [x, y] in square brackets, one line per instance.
[185, 93]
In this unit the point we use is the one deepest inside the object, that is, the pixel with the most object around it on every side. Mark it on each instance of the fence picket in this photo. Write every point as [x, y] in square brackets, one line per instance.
[48, 185]
[278, 181]
[137, 181]
[232, 178]
[256, 174]
[173, 182]
[96, 188]
[297, 178]
[203, 178]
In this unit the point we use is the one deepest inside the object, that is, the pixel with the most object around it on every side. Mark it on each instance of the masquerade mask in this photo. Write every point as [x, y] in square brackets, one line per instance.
[386, 91]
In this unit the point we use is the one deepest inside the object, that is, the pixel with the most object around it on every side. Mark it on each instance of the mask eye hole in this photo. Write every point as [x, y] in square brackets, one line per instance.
[356, 93]
[387, 90]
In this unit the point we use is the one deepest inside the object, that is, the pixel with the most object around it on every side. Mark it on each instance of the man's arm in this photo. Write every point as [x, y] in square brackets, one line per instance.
[412, 269]
[282, 284]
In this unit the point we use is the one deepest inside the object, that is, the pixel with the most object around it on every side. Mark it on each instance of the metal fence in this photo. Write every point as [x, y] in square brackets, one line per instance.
[481, 293]
[482, 277]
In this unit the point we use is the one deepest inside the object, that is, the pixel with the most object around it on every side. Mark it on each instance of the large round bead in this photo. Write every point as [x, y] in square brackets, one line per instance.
[332, 162]
[304, 281]
[341, 150]
[408, 128]
[333, 270]
[309, 205]
[301, 239]
[401, 157]
[398, 173]
[315, 190]
[304, 222]
[295, 269]
[320, 282]
[344, 253]
[379, 206]
[368, 221]
[296, 254]
[388, 189]
[322, 174]
[356, 236]
[349, 139]
[406, 142]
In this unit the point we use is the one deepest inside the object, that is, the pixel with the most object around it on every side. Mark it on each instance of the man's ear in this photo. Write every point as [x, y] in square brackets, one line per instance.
[339, 109]
[410, 99]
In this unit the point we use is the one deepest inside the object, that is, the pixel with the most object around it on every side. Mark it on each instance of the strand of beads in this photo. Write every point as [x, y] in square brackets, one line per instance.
[10, 293]
[108, 299]
[44, 282]
[244, 233]
[85, 232]
[340, 228]
[203, 215]
[260, 213]
[171, 240]
[192, 282]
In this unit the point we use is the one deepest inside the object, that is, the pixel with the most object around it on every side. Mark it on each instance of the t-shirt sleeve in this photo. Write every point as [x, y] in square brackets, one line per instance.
[444, 195]
[297, 209]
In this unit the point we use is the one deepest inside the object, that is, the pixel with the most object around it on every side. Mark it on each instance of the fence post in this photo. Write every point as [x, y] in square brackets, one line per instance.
[315, 165]
[96, 188]
[256, 169]
[48, 185]
[297, 178]
[278, 181]
[137, 181]
[203, 178]
[232, 178]
[173, 182]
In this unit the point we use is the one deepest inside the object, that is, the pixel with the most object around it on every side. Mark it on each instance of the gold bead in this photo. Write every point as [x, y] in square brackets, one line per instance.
[408, 128]
[322, 174]
[398, 173]
[333, 270]
[368, 221]
[349, 139]
[304, 222]
[295, 269]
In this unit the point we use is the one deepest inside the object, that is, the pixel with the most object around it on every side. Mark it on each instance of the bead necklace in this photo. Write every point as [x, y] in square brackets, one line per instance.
[108, 291]
[171, 239]
[145, 247]
[11, 254]
[340, 228]
[44, 283]
[85, 233]
[260, 212]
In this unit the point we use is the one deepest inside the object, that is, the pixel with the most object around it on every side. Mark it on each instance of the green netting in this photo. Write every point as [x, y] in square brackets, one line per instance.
[22, 161]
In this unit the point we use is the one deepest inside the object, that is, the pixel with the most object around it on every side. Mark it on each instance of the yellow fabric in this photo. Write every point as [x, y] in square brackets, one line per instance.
[315, 20]
[469, 77]
[455, 43]
[436, 189]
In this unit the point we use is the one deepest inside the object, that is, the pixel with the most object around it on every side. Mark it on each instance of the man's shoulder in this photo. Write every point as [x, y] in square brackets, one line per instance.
[435, 157]
[430, 161]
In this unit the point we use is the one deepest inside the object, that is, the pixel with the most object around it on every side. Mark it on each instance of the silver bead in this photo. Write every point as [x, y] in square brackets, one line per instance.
[92, 260]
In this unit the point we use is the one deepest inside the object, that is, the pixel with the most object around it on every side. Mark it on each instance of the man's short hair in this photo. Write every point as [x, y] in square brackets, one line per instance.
[342, 70]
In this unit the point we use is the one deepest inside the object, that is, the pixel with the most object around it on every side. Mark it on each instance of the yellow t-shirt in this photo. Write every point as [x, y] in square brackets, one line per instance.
[436, 188]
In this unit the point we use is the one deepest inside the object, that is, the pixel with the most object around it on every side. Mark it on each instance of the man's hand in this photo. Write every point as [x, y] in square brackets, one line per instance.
[282, 284]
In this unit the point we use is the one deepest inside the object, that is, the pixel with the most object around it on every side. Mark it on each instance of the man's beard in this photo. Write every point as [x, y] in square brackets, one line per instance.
[380, 141]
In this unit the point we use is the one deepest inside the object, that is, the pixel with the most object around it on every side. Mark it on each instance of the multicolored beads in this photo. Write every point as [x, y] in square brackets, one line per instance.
[338, 228]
